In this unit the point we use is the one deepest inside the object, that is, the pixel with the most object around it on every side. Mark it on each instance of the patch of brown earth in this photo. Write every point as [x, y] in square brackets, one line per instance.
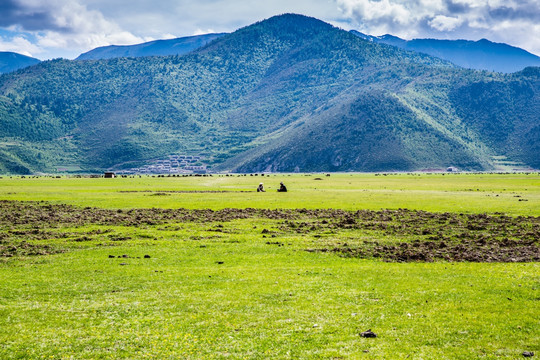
[26, 249]
[413, 235]
[429, 251]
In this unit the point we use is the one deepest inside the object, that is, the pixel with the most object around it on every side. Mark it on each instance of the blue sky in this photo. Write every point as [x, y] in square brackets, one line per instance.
[65, 28]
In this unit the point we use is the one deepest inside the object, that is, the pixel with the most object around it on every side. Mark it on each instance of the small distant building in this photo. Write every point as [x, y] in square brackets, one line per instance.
[452, 169]
[196, 169]
[109, 175]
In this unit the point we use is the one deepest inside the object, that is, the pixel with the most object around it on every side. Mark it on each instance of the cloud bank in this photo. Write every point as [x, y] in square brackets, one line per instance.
[54, 28]
[57, 24]
[515, 22]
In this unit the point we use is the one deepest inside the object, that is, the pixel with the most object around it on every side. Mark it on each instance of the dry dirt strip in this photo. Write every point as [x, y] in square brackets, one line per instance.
[395, 235]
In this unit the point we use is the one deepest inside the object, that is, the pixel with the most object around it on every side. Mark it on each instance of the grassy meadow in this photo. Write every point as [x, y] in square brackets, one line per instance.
[470, 193]
[135, 268]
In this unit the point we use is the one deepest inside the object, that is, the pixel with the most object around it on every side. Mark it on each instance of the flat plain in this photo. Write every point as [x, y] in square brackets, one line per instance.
[438, 266]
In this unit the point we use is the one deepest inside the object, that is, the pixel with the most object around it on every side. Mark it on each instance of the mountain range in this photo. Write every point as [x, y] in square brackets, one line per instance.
[10, 61]
[480, 55]
[290, 93]
[178, 46]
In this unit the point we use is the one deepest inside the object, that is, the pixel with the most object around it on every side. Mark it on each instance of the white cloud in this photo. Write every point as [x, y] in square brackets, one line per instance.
[445, 23]
[203, 32]
[166, 36]
[19, 45]
[399, 17]
[67, 24]
[512, 21]
[85, 29]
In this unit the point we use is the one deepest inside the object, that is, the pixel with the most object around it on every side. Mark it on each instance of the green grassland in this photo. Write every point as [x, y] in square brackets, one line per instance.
[256, 284]
[470, 193]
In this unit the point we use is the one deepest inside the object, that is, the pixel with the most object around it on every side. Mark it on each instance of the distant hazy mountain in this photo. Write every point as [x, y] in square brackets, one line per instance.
[177, 46]
[10, 61]
[290, 93]
[480, 55]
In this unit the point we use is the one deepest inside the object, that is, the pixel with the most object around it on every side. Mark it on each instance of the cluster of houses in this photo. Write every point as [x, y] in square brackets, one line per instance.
[173, 164]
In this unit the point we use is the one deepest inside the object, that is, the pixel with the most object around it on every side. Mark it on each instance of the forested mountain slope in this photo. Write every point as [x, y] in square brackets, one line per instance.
[288, 93]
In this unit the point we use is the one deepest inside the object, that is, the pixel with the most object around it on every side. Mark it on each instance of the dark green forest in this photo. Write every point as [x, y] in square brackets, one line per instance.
[290, 93]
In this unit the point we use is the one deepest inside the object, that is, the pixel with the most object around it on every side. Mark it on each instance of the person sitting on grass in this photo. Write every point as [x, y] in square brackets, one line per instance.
[282, 187]
[260, 188]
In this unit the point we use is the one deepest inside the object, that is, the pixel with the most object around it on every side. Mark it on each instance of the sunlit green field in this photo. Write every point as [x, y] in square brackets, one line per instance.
[450, 192]
[252, 287]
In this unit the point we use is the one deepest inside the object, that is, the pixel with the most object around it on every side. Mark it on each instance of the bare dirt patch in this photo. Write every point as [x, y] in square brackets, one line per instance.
[425, 236]
[395, 235]
[22, 248]
[429, 251]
